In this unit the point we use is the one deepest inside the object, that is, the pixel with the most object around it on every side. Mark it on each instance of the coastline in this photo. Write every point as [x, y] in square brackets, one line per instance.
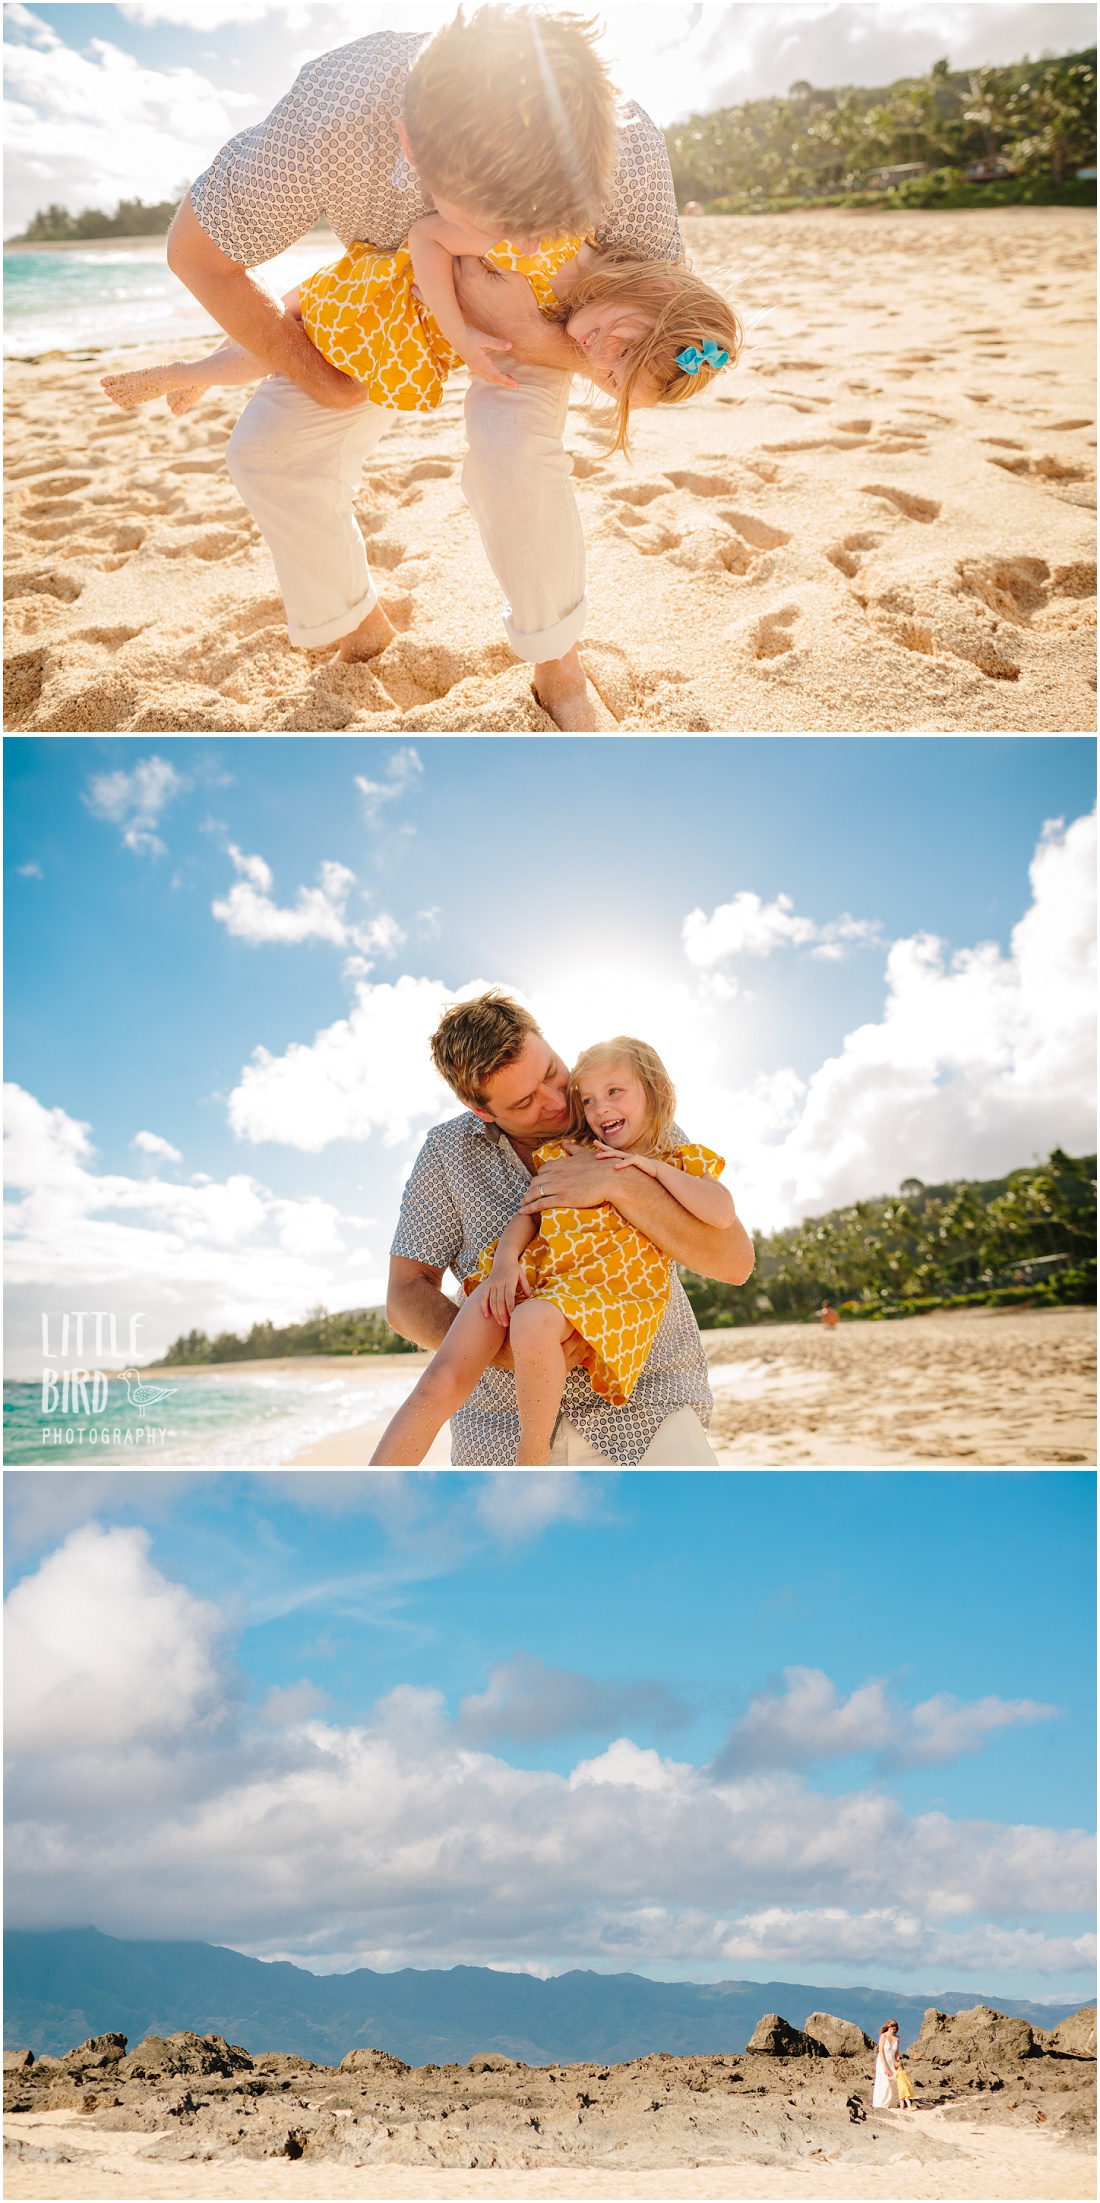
[960, 1388]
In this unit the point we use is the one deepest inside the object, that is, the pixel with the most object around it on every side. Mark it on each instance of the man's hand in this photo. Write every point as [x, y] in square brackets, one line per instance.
[505, 305]
[249, 314]
[583, 1181]
[475, 348]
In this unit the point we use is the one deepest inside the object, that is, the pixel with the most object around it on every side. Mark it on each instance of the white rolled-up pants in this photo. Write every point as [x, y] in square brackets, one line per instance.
[298, 467]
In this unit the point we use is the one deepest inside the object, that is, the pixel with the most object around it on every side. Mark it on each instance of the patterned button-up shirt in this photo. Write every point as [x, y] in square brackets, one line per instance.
[466, 1184]
[330, 148]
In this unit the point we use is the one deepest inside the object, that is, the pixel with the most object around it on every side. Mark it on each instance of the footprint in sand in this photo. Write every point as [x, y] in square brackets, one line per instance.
[904, 501]
[1021, 589]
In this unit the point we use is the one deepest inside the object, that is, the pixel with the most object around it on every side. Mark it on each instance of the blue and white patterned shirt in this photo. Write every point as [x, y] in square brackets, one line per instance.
[466, 1184]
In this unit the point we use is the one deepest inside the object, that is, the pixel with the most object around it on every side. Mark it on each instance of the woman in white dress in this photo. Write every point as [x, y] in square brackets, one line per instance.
[886, 2097]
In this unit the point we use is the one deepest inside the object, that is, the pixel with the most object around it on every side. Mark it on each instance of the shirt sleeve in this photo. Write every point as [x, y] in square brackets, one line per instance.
[429, 1228]
[641, 212]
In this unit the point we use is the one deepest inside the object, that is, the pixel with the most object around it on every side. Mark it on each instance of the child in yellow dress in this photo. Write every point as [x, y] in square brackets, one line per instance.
[583, 1271]
[650, 332]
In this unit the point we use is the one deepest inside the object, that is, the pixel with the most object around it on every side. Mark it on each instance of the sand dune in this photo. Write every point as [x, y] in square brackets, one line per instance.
[879, 520]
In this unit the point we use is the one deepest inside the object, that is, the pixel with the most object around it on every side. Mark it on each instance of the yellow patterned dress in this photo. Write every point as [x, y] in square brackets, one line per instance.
[611, 1283]
[361, 314]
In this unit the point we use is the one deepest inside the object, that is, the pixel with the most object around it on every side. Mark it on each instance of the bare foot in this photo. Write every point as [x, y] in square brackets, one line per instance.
[368, 639]
[562, 690]
[174, 381]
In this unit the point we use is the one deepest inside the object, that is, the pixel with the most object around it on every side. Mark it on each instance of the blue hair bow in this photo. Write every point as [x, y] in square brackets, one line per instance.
[692, 358]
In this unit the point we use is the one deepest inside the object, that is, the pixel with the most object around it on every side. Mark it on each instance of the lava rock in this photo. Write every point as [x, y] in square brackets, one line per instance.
[774, 2037]
[161, 2055]
[372, 2062]
[1073, 2038]
[979, 2033]
[840, 2037]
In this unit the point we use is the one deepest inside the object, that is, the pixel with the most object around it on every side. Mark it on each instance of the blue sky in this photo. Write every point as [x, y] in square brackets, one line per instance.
[224, 960]
[106, 101]
[827, 1727]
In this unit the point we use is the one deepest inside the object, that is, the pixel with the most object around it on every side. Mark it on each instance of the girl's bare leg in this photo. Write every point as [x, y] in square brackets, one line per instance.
[182, 381]
[538, 1334]
[473, 1341]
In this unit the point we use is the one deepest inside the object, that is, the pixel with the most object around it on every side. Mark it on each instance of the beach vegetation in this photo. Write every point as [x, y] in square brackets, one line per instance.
[54, 225]
[1029, 1238]
[953, 138]
[348, 1331]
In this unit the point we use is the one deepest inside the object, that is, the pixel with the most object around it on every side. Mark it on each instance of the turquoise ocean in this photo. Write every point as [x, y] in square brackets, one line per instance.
[93, 297]
[254, 1419]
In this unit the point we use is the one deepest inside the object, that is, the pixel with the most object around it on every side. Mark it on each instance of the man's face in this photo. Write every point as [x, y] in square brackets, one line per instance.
[527, 1099]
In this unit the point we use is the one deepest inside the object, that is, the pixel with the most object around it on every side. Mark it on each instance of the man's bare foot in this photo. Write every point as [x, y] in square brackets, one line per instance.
[366, 640]
[175, 381]
[563, 691]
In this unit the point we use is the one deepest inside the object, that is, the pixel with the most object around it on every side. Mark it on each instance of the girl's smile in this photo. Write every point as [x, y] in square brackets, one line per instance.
[607, 335]
[615, 1106]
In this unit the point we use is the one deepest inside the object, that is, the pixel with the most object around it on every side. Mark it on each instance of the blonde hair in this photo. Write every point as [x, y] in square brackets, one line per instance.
[686, 314]
[650, 1072]
[511, 115]
[474, 1040]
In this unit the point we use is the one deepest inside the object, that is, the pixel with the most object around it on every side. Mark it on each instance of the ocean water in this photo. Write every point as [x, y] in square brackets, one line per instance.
[247, 1421]
[85, 297]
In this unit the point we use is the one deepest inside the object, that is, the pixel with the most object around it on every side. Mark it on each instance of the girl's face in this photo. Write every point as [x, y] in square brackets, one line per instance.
[607, 334]
[614, 1103]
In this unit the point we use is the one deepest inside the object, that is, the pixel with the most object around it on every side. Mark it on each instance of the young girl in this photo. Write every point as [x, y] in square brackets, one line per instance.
[583, 1271]
[652, 332]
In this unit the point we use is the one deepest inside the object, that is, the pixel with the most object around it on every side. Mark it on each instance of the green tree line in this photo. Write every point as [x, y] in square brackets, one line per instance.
[1038, 119]
[54, 225]
[1030, 1236]
[351, 1331]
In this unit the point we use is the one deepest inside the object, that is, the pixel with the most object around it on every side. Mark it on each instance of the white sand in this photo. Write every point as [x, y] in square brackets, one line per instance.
[879, 520]
[998, 2164]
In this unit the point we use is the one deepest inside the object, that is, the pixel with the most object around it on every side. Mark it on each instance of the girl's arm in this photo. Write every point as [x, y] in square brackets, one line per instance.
[506, 1280]
[434, 246]
[701, 1197]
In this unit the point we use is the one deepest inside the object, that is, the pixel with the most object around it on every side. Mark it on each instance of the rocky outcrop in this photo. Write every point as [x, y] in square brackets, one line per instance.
[193, 2099]
[169, 2055]
[17, 2061]
[776, 2038]
[840, 2037]
[980, 2033]
[1074, 2037]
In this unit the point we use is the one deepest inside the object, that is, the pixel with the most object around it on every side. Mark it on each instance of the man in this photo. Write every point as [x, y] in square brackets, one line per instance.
[470, 1178]
[361, 139]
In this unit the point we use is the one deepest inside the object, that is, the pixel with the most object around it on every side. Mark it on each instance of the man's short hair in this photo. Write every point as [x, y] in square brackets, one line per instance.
[511, 116]
[474, 1040]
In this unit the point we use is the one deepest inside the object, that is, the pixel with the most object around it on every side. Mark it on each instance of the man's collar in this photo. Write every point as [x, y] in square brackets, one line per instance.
[488, 1131]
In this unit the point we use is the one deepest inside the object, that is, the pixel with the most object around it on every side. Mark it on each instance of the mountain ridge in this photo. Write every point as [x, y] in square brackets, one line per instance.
[64, 1985]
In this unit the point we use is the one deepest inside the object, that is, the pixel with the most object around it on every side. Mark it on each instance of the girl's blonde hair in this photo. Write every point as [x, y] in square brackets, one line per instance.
[650, 1072]
[687, 314]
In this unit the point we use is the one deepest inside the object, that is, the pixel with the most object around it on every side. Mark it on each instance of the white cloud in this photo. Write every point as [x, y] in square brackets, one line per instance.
[218, 1253]
[284, 1707]
[395, 1835]
[87, 127]
[135, 801]
[516, 1507]
[319, 913]
[747, 926]
[100, 1651]
[30, 871]
[808, 1722]
[371, 1071]
[979, 1061]
[150, 1143]
[403, 769]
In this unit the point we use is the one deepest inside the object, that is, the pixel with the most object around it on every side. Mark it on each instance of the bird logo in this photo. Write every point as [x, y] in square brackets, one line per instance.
[143, 1396]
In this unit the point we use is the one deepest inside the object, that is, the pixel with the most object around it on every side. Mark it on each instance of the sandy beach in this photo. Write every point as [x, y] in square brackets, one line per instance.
[879, 521]
[965, 1388]
[993, 2165]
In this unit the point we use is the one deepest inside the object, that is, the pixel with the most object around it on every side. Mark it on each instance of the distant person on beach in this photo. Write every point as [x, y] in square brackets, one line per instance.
[829, 1316]
[480, 1181]
[506, 125]
[885, 2096]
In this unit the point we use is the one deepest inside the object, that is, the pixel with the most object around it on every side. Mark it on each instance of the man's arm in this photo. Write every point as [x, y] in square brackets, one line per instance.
[505, 306]
[249, 314]
[724, 1253]
[416, 1306]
